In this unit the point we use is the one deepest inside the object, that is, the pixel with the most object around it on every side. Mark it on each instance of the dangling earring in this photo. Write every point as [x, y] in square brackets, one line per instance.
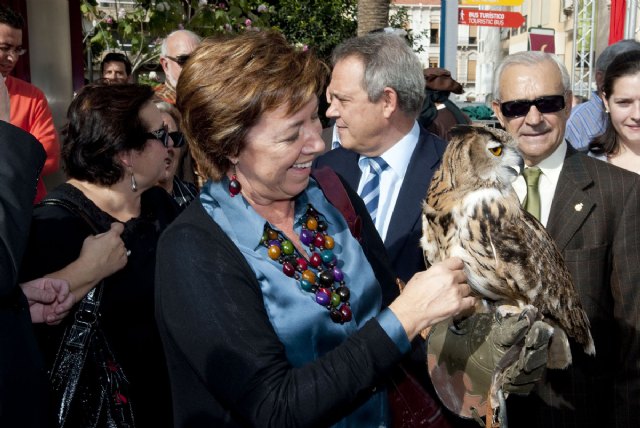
[134, 185]
[234, 185]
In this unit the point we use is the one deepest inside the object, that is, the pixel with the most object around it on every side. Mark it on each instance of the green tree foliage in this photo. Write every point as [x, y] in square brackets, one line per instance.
[138, 29]
[317, 24]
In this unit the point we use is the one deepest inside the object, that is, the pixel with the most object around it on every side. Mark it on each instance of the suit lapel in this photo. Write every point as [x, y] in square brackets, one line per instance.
[350, 170]
[408, 208]
[571, 204]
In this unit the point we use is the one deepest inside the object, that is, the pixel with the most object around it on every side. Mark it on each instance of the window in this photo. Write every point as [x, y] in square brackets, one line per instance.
[473, 35]
[471, 69]
[434, 34]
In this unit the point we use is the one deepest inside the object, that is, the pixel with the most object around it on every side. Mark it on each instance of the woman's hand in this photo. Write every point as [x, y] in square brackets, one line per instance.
[49, 299]
[432, 296]
[104, 254]
[101, 256]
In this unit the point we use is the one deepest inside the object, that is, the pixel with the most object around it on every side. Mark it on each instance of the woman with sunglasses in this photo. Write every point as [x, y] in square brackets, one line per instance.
[620, 142]
[116, 149]
[182, 191]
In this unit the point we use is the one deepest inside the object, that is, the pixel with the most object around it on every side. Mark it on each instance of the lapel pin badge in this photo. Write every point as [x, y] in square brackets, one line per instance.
[578, 207]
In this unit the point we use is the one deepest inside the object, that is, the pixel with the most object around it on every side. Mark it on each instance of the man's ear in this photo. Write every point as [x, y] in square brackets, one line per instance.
[495, 106]
[568, 101]
[164, 63]
[389, 101]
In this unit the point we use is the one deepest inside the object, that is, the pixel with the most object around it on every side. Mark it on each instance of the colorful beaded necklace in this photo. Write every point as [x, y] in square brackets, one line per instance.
[327, 282]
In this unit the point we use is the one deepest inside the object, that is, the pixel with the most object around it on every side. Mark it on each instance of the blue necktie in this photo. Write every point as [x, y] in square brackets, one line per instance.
[371, 191]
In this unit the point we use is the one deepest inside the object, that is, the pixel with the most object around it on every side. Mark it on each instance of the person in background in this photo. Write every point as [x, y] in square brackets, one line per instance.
[439, 114]
[258, 331]
[589, 119]
[375, 95]
[592, 211]
[174, 53]
[619, 144]
[116, 67]
[115, 151]
[29, 108]
[181, 191]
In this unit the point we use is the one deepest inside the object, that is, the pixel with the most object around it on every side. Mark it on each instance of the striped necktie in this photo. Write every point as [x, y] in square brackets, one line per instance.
[371, 191]
[532, 201]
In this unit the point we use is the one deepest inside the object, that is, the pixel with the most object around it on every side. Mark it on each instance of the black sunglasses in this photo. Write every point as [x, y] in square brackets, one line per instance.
[163, 136]
[518, 108]
[181, 60]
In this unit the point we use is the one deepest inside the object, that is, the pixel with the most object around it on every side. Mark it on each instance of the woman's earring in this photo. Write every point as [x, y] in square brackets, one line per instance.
[234, 185]
[134, 185]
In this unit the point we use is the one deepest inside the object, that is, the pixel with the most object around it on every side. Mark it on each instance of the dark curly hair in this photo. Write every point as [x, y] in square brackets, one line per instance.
[103, 121]
[11, 18]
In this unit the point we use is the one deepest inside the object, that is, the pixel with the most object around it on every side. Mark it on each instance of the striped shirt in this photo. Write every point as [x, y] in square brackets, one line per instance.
[587, 120]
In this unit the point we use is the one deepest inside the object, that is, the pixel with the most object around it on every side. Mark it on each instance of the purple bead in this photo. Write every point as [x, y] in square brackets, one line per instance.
[323, 296]
[337, 274]
[275, 242]
[306, 236]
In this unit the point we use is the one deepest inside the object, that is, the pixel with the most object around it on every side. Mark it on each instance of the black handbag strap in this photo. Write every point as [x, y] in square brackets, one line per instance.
[87, 313]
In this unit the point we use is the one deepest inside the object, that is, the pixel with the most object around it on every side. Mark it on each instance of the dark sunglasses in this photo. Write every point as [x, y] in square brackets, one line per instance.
[163, 136]
[181, 60]
[518, 108]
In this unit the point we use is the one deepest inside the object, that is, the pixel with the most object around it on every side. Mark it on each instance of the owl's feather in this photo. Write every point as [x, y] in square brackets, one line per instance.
[473, 213]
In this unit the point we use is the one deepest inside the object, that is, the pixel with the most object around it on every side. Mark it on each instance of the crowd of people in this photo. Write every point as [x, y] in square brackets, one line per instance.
[247, 272]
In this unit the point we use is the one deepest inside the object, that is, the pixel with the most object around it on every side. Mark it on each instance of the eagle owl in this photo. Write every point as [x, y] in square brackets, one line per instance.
[472, 212]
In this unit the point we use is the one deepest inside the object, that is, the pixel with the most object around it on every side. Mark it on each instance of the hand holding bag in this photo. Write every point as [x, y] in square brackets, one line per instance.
[89, 388]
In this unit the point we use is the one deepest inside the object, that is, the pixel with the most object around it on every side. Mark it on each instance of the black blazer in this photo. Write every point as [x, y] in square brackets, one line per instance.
[405, 229]
[595, 221]
[23, 383]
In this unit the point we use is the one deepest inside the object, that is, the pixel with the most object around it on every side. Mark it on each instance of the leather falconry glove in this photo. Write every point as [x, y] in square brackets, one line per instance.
[486, 357]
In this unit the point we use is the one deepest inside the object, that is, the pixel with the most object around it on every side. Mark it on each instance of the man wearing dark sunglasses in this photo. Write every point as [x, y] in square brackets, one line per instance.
[174, 53]
[592, 210]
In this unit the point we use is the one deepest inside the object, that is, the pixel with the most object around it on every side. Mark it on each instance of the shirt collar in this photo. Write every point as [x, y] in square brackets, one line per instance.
[398, 155]
[552, 165]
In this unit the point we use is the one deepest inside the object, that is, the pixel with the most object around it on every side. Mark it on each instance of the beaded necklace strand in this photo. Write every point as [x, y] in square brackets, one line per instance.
[321, 274]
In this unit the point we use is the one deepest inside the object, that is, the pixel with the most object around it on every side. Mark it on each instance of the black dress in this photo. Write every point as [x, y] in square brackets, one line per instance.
[127, 307]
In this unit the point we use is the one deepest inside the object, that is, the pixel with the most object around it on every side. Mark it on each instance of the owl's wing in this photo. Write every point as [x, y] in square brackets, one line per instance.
[429, 240]
[533, 268]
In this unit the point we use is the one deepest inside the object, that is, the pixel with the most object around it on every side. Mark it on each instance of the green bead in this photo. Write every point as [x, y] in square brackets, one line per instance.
[335, 299]
[287, 247]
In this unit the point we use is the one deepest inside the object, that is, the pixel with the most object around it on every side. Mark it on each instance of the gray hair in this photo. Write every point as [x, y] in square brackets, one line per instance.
[187, 33]
[530, 58]
[388, 62]
[612, 51]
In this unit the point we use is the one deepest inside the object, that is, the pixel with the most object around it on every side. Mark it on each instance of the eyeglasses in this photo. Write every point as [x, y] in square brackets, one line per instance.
[518, 108]
[13, 50]
[181, 60]
[163, 136]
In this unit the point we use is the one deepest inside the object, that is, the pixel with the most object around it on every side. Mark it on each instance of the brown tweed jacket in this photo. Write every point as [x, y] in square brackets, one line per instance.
[595, 220]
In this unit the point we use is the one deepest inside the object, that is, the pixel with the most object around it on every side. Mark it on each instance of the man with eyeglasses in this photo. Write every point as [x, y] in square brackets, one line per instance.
[28, 104]
[174, 53]
[592, 210]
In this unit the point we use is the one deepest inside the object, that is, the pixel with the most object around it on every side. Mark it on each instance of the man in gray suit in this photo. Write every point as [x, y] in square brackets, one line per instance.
[592, 210]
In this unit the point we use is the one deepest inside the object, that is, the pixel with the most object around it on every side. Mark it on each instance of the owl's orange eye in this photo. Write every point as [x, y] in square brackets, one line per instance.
[497, 151]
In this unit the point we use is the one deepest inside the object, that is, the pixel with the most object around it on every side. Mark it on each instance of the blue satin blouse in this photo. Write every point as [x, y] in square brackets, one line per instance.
[304, 327]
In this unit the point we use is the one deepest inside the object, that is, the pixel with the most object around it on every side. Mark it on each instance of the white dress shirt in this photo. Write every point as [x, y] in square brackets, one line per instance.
[397, 157]
[550, 172]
